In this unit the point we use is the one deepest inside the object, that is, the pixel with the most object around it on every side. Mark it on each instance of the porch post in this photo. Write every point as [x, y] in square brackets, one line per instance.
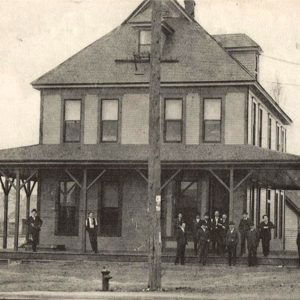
[84, 210]
[231, 195]
[28, 194]
[17, 211]
[5, 217]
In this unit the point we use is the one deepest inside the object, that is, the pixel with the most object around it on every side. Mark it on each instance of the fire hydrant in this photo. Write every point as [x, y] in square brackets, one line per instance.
[105, 279]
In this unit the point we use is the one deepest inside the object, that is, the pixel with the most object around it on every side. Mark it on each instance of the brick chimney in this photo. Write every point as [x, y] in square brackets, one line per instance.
[190, 7]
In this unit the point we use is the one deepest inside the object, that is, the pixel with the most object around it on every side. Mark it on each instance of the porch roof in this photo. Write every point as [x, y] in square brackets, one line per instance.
[171, 154]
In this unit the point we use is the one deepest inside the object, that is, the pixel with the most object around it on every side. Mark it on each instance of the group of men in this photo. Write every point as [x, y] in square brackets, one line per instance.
[223, 237]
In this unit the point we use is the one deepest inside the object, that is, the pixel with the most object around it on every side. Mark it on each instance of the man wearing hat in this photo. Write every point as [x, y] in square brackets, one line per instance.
[203, 242]
[244, 227]
[265, 234]
[232, 239]
[196, 227]
[252, 244]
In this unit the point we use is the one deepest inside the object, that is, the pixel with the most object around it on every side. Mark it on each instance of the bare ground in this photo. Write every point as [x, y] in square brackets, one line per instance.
[214, 281]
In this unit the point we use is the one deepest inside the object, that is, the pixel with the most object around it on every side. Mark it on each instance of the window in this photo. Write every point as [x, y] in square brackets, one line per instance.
[268, 204]
[254, 122]
[283, 140]
[72, 120]
[276, 214]
[68, 209]
[269, 132]
[109, 120]
[145, 42]
[277, 137]
[173, 120]
[110, 209]
[260, 124]
[212, 120]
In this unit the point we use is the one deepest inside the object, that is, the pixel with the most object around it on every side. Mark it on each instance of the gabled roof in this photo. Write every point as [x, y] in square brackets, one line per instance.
[236, 40]
[197, 57]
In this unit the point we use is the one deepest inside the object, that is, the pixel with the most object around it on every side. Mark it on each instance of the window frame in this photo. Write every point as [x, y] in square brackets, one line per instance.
[140, 44]
[254, 124]
[278, 142]
[101, 121]
[270, 122]
[221, 120]
[268, 203]
[283, 139]
[173, 120]
[276, 213]
[260, 125]
[64, 120]
[101, 208]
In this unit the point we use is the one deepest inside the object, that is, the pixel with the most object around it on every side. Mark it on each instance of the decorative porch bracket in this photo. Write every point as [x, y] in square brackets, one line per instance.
[73, 178]
[6, 176]
[142, 175]
[24, 182]
[170, 179]
[96, 179]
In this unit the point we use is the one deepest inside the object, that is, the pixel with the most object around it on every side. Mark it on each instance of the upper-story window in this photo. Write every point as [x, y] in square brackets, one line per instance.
[212, 120]
[277, 137]
[72, 121]
[254, 122]
[109, 120]
[173, 120]
[283, 139]
[269, 132]
[144, 42]
[260, 126]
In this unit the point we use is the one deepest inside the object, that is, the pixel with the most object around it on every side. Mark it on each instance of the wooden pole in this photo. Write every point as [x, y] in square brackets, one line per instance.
[231, 195]
[17, 211]
[5, 217]
[28, 194]
[154, 164]
[84, 210]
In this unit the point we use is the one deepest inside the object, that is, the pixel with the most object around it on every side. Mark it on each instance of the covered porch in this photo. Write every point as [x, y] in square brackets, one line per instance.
[72, 180]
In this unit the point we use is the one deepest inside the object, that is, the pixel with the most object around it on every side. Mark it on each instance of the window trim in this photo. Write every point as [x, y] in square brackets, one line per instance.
[100, 122]
[64, 120]
[278, 146]
[139, 41]
[100, 207]
[270, 122]
[260, 125]
[221, 120]
[181, 121]
[254, 125]
[276, 213]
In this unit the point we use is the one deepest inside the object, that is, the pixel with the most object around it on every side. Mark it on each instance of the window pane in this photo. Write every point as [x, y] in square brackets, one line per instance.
[72, 110]
[145, 48]
[72, 131]
[110, 110]
[212, 131]
[173, 131]
[110, 195]
[212, 109]
[145, 37]
[173, 109]
[110, 131]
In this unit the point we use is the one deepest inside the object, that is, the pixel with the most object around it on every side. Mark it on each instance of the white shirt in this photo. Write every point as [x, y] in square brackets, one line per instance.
[91, 223]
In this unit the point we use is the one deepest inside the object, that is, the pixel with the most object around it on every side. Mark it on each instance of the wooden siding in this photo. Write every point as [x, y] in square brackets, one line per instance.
[192, 119]
[135, 119]
[291, 229]
[235, 118]
[52, 119]
[91, 121]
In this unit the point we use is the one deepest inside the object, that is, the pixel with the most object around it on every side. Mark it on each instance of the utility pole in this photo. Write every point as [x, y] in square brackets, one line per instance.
[154, 163]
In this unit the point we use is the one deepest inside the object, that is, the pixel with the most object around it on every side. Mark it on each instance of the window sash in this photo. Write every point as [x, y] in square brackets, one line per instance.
[109, 131]
[277, 137]
[72, 131]
[212, 131]
[110, 110]
[72, 110]
[260, 124]
[212, 109]
[173, 109]
[254, 122]
[269, 132]
[145, 41]
[173, 131]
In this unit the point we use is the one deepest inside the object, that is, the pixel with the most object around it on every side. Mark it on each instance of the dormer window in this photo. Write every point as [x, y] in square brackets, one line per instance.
[145, 42]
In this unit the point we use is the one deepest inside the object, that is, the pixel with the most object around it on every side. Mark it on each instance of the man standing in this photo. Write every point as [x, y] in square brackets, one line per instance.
[181, 239]
[178, 222]
[265, 234]
[252, 244]
[203, 240]
[34, 223]
[196, 227]
[91, 227]
[216, 228]
[244, 227]
[232, 239]
[224, 229]
[206, 221]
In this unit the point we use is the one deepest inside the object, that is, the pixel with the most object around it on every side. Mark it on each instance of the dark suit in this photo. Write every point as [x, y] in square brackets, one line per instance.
[92, 233]
[224, 230]
[298, 244]
[232, 239]
[265, 235]
[216, 235]
[203, 240]
[34, 228]
[252, 244]
[196, 227]
[181, 240]
[244, 227]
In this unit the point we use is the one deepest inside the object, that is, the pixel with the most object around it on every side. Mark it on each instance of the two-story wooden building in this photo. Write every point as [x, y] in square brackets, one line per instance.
[223, 136]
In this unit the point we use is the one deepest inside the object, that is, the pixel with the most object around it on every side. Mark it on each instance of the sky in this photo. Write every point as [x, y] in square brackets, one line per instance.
[37, 35]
